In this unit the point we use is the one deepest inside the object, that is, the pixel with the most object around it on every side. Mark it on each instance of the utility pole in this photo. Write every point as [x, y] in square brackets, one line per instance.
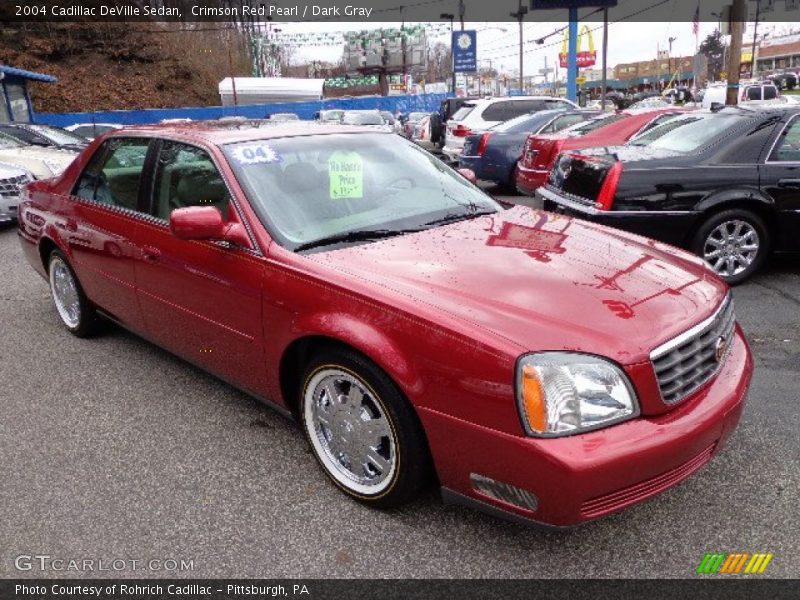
[451, 17]
[755, 35]
[738, 15]
[669, 57]
[605, 59]
[520, 16]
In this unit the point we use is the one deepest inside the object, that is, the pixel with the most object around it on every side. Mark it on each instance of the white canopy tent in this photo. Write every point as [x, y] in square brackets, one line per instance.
[261, 90]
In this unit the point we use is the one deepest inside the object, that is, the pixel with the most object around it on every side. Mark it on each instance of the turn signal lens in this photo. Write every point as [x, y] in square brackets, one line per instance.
[533, 399]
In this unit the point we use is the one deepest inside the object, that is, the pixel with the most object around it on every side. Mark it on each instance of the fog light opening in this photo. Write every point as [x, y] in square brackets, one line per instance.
[504, 492]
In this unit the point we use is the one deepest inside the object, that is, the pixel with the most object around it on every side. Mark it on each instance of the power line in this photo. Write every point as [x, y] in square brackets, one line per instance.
[551, 44]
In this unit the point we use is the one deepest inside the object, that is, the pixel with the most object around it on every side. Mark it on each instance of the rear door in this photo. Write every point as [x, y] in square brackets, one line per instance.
[107, 210]
[780, 178]
[201, 299]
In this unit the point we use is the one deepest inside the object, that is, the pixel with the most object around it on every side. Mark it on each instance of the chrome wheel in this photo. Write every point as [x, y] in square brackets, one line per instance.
[350, 431]
[731, 247]
[65, 292]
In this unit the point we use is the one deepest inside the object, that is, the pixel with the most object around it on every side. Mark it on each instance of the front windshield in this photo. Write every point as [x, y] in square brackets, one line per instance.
[62, 137]
[365, 118]
[7, 142]
[687, 133]
[308, 188]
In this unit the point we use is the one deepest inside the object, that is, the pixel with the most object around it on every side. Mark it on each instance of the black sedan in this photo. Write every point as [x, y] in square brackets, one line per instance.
[724, 184]
[37, 134]
[494, 154]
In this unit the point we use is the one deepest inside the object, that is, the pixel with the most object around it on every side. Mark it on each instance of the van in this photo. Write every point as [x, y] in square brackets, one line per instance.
[749, 93]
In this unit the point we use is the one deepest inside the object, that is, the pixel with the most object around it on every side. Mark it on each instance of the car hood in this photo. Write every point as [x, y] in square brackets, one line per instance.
[542, 281]
[55, 160]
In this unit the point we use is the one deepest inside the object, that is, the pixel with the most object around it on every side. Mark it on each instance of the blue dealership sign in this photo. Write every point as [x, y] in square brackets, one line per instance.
[465, 51]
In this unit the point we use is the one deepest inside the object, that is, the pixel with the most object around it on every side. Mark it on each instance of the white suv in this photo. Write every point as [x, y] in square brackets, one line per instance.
[477, 116]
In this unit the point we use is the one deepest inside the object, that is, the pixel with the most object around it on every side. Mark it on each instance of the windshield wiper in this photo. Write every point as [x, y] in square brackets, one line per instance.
[362, 235]
[452, 218]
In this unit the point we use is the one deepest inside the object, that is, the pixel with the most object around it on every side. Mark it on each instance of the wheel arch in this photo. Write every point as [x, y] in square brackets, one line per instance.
[749, 200]
[46, 247]
[329, 333]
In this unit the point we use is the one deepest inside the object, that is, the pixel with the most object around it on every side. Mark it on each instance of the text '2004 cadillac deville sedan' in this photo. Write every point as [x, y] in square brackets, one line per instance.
[531, 364]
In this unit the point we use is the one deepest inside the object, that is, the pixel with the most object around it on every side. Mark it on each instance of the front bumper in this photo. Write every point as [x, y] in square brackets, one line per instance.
[671, 227]
[529, 180]
[8, 208]
[583, 477]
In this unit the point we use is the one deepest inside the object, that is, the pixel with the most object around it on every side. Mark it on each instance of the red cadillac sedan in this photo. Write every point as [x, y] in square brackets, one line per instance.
[540, 150]
[527, 363]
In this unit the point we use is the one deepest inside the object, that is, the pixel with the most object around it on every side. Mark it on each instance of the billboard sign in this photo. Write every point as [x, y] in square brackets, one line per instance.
[465, 51]
[586, 58]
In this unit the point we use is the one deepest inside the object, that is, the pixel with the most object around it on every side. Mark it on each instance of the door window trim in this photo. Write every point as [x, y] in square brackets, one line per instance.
[795, 118]
[103, 152]
[156, 144]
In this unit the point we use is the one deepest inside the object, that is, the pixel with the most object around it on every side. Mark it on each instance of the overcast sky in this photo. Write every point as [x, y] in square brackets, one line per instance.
[627, 41]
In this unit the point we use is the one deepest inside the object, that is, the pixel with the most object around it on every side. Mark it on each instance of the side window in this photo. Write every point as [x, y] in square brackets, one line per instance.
[495, 112]
[523, 107]
[186, 176]
[557, 105]
[114, 173]
[788, 146]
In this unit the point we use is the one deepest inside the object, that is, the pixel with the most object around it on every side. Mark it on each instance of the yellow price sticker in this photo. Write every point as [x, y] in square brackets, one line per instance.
[346, 173]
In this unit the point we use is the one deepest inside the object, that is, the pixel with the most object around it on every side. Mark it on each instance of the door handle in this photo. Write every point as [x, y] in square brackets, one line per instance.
[150, 254]
[789, 183]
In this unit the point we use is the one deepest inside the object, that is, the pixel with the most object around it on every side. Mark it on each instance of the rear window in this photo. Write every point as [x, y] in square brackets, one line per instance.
[754, 92]
[687, 133]
[770, 92]
[594, 124]
[462, 112]
[523, 124]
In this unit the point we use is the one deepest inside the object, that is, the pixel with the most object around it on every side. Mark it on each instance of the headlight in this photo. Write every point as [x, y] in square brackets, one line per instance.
[563, 393]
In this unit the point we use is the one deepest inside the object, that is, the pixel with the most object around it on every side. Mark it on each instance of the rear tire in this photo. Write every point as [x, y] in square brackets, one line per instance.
[362, 431]
[735, 243]
[73, 307]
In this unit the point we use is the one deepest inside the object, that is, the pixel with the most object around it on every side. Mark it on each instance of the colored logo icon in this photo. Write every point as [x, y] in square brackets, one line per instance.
[737, 563]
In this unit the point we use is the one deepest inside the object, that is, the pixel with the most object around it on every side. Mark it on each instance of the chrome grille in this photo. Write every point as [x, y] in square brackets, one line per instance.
[11, 186]
[685, 363]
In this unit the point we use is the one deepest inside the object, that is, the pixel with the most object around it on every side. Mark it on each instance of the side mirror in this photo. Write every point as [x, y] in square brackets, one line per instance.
[469, 175]
[197, 223]
[206, 223]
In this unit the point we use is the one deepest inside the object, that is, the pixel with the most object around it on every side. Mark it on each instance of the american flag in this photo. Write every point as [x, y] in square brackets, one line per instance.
[696, 20]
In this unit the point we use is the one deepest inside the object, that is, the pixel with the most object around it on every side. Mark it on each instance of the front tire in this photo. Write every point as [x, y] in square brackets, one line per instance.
[362, 431]
[734, 242]
[74, 309]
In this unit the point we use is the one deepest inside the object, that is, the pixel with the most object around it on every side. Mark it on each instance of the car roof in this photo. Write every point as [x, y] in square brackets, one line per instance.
[229, 132]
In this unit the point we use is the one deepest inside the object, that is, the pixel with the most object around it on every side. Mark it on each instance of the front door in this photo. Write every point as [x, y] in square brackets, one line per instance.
[201, 299]
[780, 178]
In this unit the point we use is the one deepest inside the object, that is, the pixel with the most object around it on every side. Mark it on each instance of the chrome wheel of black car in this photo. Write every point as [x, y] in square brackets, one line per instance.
[731, 247]
[734, 243]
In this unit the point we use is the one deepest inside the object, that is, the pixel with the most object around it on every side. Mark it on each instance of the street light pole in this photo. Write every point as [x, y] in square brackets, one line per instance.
[669, 58]
[451, 17]
[520, 16]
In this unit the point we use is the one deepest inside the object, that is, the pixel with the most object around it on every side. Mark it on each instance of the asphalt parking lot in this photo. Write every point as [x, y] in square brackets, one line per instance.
[113, 449]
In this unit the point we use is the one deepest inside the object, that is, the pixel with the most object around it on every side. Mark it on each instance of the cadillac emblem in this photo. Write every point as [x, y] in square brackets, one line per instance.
[720, 348]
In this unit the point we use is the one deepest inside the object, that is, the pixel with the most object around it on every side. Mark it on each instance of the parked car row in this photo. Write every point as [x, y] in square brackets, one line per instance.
[724, 184]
